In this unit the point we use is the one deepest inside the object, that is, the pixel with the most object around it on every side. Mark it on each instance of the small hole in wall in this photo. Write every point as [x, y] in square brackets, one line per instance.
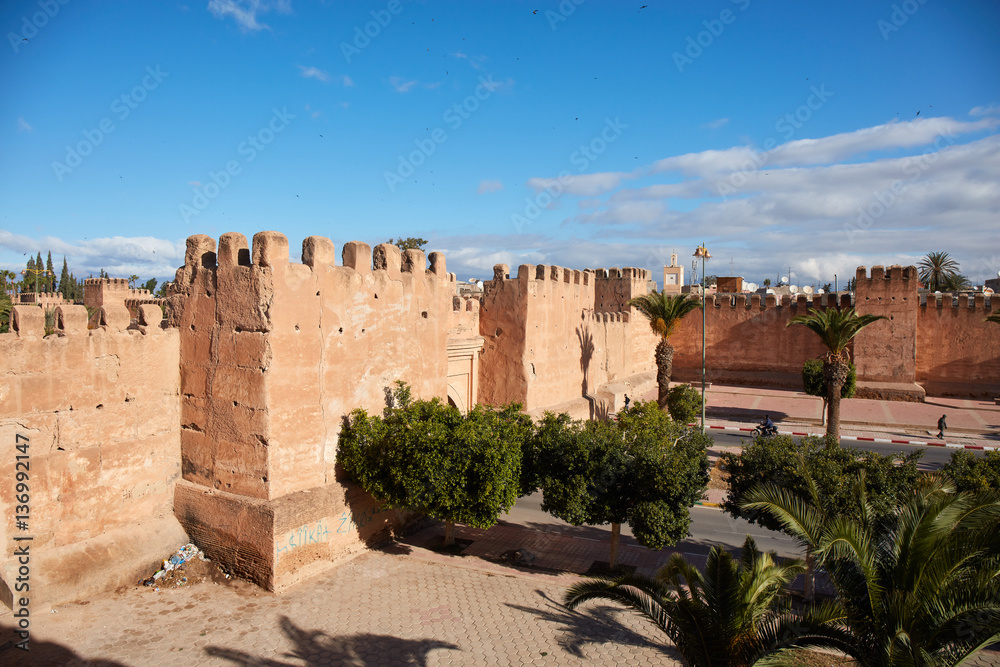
[235, 404]
[498, 332]
[362, 331]
[100, 406]
[317, 293]
[424, 314]
[264, 479]
[340, 330]
[208, 293]
[192, 327]
[376, 296]
[296, 327]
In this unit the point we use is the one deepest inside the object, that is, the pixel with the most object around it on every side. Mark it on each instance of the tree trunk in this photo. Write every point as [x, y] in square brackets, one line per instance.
[664, 366]
[835, 371]
[616, 531]
[449, 533]
[810, 576]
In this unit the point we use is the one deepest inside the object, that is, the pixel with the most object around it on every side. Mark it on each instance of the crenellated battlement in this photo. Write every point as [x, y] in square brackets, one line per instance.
[977, 302]
[271, 250]
[895, 272]
[798, 301]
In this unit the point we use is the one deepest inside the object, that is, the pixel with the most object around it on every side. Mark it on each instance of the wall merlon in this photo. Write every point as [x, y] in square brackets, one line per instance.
[387, 257]
[438, 265]
[71, 319]
[27, 321]
[200, 252]
[270, 249]
[114, 318]
[502, 272]
[357, 255]
[414, 261]
[234, 250]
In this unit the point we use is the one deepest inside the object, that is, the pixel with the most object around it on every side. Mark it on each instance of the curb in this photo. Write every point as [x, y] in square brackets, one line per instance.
[859, 438]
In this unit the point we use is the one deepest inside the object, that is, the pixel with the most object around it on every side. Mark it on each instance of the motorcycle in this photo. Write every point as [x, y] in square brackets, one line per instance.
[765, 431]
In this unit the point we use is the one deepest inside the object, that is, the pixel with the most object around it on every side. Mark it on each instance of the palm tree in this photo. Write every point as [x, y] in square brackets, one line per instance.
[131, 280]
[736, 614]
[836, 328]
[664, 312]
[920, 587]
[956, 282]
[935, 268]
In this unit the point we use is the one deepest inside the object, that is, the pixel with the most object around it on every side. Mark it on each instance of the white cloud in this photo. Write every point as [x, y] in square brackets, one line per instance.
[401, 85]
[489, 185]
[120, 256]
[314, 73]
[991, 110]
[245, 12]
[812, 204]
[23, 125]
[347, 81]
[715, 124]
[587, 185]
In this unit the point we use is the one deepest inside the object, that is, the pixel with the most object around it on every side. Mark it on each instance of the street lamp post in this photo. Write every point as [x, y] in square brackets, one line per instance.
[702, 252]
[37, 272]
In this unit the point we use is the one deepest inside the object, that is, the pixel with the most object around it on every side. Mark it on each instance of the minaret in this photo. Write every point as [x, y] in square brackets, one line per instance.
[673, 276]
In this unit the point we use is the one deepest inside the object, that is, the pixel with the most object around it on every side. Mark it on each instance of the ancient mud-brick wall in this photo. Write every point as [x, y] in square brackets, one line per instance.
[748, 340]
[545, 346]
[46, 300]
[100, 412]
[886, 351]
[464, 347]
[274, 355]
[958, 351]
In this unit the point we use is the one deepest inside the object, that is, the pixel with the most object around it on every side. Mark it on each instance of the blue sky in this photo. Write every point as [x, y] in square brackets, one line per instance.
[818, 136]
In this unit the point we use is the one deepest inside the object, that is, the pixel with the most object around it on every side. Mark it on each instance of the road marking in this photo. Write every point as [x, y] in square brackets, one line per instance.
[860, 438]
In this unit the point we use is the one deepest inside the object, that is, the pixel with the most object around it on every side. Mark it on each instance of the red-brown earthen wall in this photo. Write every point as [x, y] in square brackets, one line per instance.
[100, 412]
[274, 355]
[958, 352]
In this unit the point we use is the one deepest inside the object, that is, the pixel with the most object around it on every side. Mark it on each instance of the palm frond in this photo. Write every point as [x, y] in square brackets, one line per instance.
[664, 311]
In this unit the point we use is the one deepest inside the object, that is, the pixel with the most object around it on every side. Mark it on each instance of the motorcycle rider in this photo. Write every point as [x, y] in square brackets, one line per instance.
[767, 426]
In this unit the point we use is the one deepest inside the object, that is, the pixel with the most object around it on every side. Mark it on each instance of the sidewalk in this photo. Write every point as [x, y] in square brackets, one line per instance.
[970, 422]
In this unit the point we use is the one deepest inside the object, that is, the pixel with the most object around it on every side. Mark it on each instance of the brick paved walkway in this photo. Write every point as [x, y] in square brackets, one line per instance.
[379, 609]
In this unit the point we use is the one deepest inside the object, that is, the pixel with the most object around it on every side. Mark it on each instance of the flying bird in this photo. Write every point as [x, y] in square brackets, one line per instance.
[918, 113]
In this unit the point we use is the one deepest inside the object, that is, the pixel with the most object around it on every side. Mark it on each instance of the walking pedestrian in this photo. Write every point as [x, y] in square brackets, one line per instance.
[941, 427]
[627, 401]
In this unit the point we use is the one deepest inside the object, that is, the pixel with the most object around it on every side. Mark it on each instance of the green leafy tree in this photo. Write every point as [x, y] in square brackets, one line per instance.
[149, 285]
[810, 470]
[162, 290]
[131, 280]
[684, 403]
[827, 287]
[5, 308]
[427, 457]
[974, 473]
[814, 384]
[664, 313]
[735, 614]
[918, 587]
[409, 243]
[644, 470]
[935, 268]
[767, 282]
[835, 328]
